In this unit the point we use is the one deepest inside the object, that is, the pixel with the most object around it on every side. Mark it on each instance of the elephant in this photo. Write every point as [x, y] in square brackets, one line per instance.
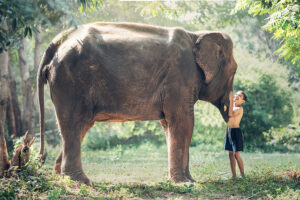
[116, 72]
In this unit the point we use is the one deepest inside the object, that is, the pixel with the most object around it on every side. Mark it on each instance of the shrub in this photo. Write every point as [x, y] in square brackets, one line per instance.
[208, 135]
[287, 138]
[100, 140]
[209, 126]
[105, 135]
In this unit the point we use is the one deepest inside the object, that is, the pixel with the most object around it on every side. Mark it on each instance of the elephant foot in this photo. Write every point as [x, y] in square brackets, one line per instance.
[57, 168]
[182, 179]
[78, 176]
[191, 179]
[188, 176]
[178, 177]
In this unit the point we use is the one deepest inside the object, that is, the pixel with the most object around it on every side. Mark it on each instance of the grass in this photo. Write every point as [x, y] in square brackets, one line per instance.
[141, 173]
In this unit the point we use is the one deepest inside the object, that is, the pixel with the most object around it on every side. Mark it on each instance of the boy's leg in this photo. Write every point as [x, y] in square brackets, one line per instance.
[232, 163]
[240, 162]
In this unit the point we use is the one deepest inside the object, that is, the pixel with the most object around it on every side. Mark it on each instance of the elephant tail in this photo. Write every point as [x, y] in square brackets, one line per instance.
[42, 76]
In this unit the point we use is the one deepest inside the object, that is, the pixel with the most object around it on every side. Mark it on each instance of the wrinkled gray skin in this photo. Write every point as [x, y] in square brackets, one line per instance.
[134, 72]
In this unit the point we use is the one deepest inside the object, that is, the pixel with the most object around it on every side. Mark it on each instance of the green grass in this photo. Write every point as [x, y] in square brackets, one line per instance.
[141, 173]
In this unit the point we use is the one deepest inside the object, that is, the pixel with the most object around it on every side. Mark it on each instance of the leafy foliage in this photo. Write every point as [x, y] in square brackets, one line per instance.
[282, 19]
[19, 18]
[209, 127]
[108, 135]
[288, 137]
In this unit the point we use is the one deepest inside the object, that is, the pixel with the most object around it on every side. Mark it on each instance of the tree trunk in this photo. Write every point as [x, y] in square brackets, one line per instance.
[37, 47]
[4, 93]
[37, 58]
[14, 103]
[28, 107]
[10, 118]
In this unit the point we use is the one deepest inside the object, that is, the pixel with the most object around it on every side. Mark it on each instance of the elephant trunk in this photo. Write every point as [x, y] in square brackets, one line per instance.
[224, 103]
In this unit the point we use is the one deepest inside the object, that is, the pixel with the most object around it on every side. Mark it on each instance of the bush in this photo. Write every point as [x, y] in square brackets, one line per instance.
[284, 138]
[268, 106]
[209, 126]
[208, 135]
[100, 140]
[105, 135]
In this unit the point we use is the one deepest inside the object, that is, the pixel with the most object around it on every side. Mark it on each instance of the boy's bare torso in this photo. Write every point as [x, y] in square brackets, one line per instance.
[235, 119]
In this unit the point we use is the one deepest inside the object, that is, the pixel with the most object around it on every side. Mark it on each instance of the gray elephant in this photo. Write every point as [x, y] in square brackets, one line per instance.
[118, 72]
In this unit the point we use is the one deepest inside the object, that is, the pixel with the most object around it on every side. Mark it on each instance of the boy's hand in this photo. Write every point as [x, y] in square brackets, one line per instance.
[230, 96]
[230, 111]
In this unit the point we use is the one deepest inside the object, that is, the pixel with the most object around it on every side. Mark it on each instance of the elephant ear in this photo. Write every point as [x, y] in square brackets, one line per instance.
[209, 54]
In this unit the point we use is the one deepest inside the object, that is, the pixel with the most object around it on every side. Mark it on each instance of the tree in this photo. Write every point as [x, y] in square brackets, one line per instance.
[4, 95]
[19, 19]
[13, 118]
[282, 20]
[28, 116]
[23, 17]
[37, 47]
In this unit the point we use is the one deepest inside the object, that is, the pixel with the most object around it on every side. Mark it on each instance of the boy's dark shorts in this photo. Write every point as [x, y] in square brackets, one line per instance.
[234, 140]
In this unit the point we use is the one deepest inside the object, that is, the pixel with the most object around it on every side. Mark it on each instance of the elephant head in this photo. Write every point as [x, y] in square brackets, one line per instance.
[214, 56]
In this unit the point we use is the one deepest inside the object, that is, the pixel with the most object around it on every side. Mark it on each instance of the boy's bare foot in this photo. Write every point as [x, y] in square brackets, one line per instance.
[233, 177]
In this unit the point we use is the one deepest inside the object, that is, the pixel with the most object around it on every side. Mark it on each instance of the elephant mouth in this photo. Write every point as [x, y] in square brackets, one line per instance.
[223, 108]
[225, 115]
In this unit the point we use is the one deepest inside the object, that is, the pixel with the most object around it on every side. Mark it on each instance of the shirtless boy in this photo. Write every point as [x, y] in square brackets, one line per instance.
[234, 135]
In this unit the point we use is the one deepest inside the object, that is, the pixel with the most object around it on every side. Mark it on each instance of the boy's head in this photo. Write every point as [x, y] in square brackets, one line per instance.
[240, 98]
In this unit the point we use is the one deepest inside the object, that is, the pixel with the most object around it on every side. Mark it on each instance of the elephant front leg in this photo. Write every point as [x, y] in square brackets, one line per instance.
[179, 133]
[187, 171]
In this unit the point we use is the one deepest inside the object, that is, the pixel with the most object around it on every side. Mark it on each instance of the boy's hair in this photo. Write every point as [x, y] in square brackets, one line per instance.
[244, 95]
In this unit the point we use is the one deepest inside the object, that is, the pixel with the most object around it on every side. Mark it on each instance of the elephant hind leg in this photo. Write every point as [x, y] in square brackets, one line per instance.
[73, 127]
[57, 166]
[71, 157]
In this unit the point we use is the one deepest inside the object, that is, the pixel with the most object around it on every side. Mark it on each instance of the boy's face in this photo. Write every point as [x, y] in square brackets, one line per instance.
[238, 99]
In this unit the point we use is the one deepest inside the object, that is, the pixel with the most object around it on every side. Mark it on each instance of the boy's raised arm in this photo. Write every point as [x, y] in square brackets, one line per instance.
[230, 111]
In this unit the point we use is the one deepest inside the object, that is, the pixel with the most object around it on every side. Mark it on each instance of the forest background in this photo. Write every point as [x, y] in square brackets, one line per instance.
[270, 78]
